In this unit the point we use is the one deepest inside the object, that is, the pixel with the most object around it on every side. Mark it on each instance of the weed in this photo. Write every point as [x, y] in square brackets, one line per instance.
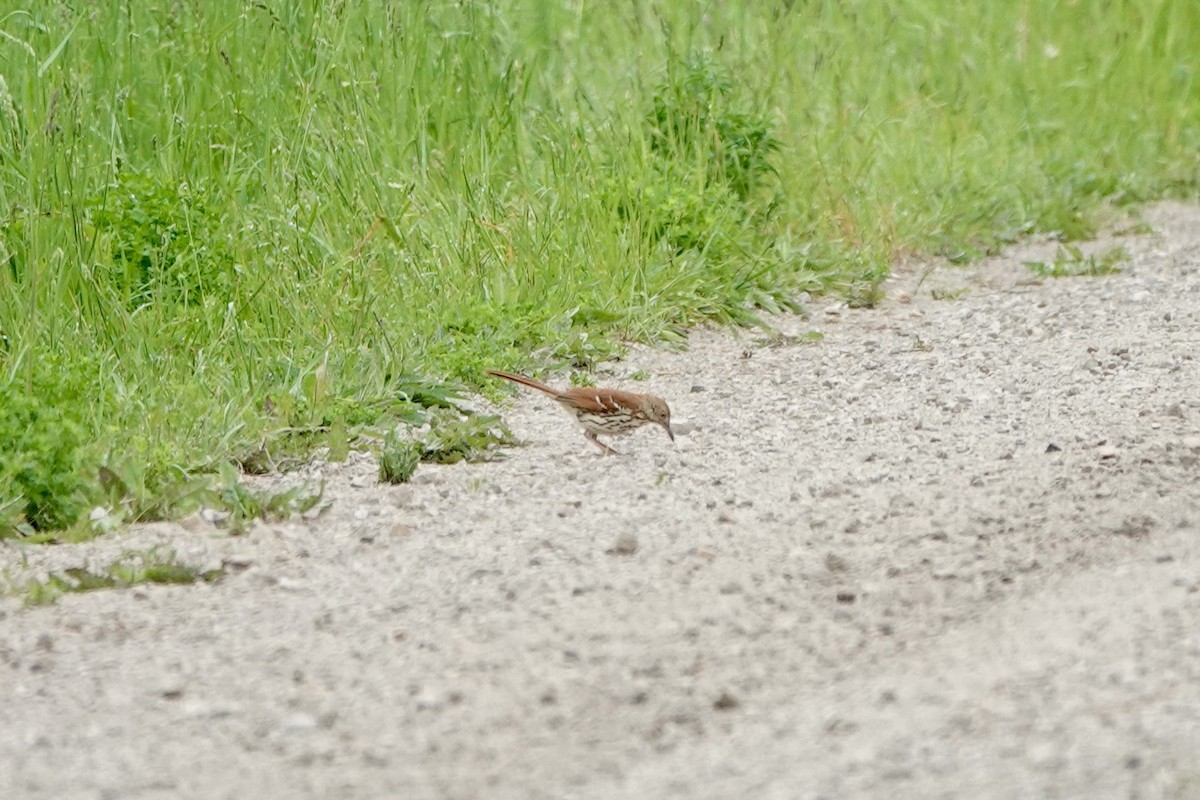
[707, 156]
[454, 437]
[244, 505]
[398, 459]
[338, 441]
[41, 485]
[1069, 261]
[694, 120]
[131, 569]
[1135, 228]
[669, 203]
[865, 294]
[941, 293]
[775, 339]
[132, 495]
[163, 239]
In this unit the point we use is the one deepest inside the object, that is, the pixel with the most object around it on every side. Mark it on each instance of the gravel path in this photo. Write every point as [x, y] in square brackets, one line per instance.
[950, 550]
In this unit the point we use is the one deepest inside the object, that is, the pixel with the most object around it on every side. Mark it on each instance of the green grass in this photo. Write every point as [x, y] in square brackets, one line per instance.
[241, 230]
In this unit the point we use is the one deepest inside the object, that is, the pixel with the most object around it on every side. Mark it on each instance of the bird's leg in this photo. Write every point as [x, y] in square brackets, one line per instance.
[604, 449]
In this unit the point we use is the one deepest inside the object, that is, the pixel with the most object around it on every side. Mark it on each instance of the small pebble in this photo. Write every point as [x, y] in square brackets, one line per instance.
[213, 515]
[298, 722]
[726, 702]
[835, 563]
[626, 544]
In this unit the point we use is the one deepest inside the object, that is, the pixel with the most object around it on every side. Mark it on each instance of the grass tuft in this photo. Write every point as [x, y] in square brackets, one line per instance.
[1070, 262]
[398, 459]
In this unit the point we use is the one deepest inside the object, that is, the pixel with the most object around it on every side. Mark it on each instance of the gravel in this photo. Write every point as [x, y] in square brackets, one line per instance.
[950, 549]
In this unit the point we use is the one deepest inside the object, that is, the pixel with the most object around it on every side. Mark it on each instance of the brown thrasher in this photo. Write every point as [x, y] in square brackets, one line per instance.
[609, 411]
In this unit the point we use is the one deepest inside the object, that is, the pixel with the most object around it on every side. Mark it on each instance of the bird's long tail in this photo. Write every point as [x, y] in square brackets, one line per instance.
[530, 382]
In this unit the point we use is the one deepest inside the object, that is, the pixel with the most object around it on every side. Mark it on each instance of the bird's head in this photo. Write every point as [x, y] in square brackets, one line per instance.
[658, 412]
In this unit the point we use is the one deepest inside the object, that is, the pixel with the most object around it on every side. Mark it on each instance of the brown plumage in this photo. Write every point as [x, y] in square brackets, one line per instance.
[608, 411]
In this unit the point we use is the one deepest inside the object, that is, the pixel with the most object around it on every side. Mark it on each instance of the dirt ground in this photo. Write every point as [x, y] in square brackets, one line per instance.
[950, 550]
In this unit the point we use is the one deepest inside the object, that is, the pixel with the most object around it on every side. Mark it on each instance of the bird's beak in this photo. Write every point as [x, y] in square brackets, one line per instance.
[670, 432]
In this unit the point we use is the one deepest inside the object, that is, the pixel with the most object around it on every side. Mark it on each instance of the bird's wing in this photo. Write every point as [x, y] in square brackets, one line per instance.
[611, 401]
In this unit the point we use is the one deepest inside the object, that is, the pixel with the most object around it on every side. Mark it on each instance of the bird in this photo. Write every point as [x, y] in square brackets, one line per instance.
[607, 411]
